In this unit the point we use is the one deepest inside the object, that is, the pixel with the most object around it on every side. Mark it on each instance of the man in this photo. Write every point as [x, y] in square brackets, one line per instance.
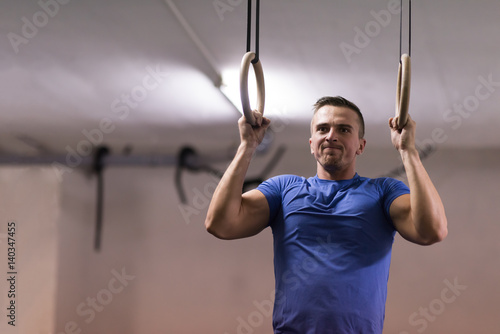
[333, 233]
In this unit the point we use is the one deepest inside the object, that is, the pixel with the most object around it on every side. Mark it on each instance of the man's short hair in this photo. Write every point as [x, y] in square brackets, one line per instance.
[339, 101]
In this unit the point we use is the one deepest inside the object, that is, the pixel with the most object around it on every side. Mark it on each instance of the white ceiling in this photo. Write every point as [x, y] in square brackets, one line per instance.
[66, 77]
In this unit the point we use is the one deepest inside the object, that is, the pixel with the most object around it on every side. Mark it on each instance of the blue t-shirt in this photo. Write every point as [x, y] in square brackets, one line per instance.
[332, 251]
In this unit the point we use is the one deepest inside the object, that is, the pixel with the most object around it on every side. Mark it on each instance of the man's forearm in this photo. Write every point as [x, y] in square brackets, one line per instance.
[427, 209]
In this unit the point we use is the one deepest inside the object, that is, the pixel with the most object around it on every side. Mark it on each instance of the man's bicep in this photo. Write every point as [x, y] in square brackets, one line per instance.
[400, 212]
[254, 215]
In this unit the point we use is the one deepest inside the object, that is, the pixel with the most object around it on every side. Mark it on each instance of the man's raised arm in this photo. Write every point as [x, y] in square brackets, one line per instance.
[420, 216]
[231, 214]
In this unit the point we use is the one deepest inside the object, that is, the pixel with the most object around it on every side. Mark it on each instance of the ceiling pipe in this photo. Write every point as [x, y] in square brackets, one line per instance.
[108, 160]
[197, 42]
[217, 76]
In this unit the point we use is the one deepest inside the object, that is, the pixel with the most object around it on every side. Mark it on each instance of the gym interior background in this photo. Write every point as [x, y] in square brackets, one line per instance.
[151, 79]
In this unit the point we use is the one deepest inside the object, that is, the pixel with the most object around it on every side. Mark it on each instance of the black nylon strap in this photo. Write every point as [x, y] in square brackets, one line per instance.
[257, 28]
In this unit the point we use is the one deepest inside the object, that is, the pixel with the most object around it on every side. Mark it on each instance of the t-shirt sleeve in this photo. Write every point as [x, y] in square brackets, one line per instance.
[272, 189]
[392, 189]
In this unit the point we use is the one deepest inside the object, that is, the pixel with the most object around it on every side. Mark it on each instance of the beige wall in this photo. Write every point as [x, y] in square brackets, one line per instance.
[30, 198]
[159, 271]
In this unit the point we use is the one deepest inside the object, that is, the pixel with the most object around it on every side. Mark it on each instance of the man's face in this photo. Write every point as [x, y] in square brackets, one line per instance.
[335, 138]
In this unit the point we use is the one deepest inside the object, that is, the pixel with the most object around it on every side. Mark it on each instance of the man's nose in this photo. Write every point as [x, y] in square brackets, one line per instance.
[331, 135]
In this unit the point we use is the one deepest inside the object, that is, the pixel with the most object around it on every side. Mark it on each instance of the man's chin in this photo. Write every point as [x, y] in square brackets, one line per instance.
[331, 164]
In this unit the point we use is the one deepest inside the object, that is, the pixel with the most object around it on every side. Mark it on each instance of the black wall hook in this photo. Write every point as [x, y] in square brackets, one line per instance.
[98, 168]
[184, 161]
[189, 159]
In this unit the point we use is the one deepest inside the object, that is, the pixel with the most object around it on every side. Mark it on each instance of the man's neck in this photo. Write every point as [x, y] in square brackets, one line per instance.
[335, 175]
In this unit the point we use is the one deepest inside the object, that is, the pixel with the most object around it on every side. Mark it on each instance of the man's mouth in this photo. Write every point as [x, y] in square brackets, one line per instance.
[330, 148]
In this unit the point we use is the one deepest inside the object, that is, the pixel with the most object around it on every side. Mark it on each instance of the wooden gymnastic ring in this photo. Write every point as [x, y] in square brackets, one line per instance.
[261, 94]
[403, 91]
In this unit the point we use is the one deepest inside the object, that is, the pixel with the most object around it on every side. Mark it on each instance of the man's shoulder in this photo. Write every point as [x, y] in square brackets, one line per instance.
[291, 177]
[379, 180]
[286, 179]
[385, 183]
[283, 181]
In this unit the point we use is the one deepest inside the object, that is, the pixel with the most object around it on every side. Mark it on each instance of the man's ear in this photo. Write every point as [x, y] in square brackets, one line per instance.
[361, 148]
[310, 141]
